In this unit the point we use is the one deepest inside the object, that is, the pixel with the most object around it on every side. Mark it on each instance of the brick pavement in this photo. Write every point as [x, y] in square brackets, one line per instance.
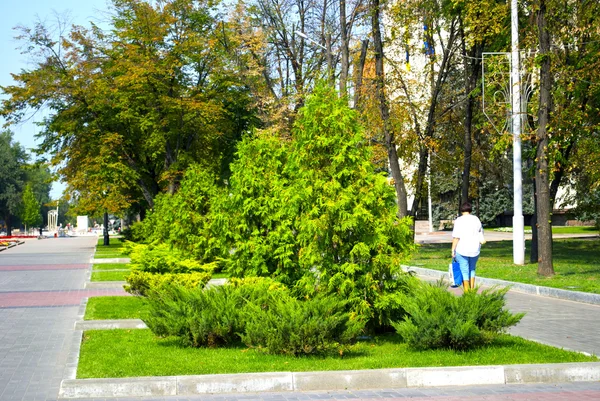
[41, 288]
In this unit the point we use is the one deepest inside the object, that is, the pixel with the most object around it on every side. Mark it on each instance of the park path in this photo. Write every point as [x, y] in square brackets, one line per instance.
[41, 288]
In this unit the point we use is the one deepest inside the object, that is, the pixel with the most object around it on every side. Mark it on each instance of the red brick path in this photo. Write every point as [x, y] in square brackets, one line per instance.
[43, 267]
[52, 298]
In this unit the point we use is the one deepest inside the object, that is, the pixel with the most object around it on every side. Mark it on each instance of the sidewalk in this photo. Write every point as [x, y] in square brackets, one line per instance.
[41, 288]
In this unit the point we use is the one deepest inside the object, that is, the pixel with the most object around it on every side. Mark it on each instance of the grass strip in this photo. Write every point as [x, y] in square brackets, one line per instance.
[556, 229]
[111, 266]
[109, 276]
[576, 263]
[113, 250]
[134, 353]
[115, 307]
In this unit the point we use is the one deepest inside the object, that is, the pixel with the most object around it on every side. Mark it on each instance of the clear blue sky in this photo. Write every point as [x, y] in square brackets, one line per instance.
[26, 12]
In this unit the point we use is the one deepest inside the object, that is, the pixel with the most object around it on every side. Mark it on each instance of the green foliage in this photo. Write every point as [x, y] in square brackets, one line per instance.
[182, 220]
[198, 317]
[254, 218]
[30, 213]
[439, 319]
[12, 177]
[141, 283]
[162, 258]
[294, 327]
[313, 213]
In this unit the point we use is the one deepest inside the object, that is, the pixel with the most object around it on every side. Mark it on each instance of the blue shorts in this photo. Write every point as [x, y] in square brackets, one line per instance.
[467, 265]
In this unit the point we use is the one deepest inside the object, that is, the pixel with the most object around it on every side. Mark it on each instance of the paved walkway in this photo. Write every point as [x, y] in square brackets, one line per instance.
[41, 286]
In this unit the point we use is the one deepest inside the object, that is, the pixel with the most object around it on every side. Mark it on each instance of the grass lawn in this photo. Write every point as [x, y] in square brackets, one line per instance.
[111, 266]
[113, 250]
[109, 276]
[115, 307]
[557, 229]
[576, 263]
[131, 353]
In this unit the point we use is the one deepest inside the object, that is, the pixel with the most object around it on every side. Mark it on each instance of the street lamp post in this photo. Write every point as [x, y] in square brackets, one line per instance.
[518, 220]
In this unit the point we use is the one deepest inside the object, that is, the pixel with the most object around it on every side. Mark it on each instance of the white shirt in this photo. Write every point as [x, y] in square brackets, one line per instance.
[468, 229]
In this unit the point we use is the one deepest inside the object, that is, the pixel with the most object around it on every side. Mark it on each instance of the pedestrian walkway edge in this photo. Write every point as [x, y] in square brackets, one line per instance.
[576, 296]
[329, 380]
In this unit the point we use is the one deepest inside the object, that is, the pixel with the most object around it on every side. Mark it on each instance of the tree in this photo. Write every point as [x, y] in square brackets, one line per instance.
[12, 177]
[313, 213]
[542, 173]
[131, 108]
[388, 134]
[30, 213]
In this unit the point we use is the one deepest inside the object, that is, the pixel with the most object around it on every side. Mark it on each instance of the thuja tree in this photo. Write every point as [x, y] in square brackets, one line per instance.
[312, 212]
[183, 220]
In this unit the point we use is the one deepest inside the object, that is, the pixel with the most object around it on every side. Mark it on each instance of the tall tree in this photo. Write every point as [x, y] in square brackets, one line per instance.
[30, 212]
[542, 173]
[12, 177]
[132, 107]
[388, 134]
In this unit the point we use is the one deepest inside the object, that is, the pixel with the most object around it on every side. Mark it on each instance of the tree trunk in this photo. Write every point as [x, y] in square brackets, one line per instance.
[8, 223]
[345, 49]
[533, 258]
[359, 72]
[542, 180]
[384, 109]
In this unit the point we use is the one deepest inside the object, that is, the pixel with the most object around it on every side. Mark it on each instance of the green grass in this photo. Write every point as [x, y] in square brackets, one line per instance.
[109, 276]
[576, 263]
[558, 229]
[113, 250]
[115, 307]
[131, 353]
[111, 266]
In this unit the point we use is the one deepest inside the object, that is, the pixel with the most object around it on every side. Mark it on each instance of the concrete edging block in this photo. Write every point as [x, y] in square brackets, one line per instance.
[110, 324]
[235, 383]
[349, 379]
[103, 285]
[110, 260]
[127, 387]
[552, 373]
[455, 376]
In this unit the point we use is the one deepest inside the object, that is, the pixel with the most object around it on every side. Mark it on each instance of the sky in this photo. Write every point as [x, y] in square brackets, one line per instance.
[26, 13]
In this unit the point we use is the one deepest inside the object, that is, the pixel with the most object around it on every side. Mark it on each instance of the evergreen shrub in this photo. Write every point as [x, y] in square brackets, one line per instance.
[162, 259]
[439, 319]
[200, 318]
[308, 208]
[140, 283]
[294, 327]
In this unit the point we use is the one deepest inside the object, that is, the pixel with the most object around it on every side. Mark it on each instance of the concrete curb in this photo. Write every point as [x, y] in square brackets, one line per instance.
[330, 380]
[110, 324]
[111, 260]
[576, 296]
[103, 285]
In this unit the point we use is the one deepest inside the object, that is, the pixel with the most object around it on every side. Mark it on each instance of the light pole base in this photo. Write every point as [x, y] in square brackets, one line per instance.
[518, 240]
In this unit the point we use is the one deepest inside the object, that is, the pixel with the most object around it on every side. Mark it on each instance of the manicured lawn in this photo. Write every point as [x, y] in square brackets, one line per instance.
[113, 250]
[111, 266]
[109, 276]
[558, 229]
[129, 353]
[114, 307]
[576, 263]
